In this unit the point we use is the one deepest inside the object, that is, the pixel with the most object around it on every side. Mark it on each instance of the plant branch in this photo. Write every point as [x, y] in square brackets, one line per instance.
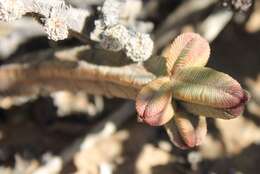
[47, 72]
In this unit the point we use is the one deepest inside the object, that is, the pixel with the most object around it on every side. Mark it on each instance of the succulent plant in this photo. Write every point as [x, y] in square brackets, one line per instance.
[188, 92]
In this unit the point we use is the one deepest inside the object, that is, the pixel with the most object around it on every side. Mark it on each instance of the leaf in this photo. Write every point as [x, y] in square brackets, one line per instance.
[153, 103]
[201, 130]
[188, 49]
[192, 128]
[211, 111]
[207, 87]
[186, 130]
[174, 135]
[156, 65]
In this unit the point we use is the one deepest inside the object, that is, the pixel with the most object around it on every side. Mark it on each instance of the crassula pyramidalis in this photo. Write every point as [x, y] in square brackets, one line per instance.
[182, 98]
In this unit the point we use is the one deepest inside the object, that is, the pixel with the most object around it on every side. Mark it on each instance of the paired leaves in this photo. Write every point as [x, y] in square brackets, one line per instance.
[186, 130]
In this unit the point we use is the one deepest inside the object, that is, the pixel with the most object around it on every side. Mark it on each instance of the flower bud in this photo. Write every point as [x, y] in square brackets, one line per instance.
[153, 103]
[186, 130]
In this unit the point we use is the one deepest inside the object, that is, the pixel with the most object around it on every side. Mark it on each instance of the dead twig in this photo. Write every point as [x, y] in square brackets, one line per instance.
[179, 18]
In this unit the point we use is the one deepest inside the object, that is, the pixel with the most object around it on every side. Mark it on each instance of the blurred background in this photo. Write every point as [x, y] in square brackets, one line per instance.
[75, 132]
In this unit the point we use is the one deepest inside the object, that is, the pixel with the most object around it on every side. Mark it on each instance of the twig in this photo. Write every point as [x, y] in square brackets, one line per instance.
[253, 24]
[43, 73]
[182, 16]
[185, 10]
[214, 24]
[208, 27]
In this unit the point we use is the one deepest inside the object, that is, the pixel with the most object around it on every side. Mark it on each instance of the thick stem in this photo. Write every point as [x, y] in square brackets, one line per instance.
[47, 72]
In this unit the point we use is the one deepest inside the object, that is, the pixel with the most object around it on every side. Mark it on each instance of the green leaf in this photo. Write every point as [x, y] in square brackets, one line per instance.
[186, 130]
[174, 135]
[207, 87]
[211, 111]
[188, 49]
[156, 65]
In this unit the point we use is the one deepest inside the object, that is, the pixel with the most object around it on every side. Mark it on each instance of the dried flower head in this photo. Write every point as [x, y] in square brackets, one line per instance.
[114, 36]
[55, 18]
[11, 10]
[198, 92]
[56, 29]
[139, 46]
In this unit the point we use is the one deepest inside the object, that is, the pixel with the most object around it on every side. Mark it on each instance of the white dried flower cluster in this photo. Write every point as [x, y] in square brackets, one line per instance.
[114, 36]
[11, 10]
[139, 46]
[55, 23]
[58, 18]
[56, 29]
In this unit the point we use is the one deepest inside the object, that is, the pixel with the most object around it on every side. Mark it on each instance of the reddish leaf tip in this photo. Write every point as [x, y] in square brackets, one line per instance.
[238, 109]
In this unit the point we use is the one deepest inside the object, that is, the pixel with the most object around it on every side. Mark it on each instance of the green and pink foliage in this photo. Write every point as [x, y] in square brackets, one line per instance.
[182, 98]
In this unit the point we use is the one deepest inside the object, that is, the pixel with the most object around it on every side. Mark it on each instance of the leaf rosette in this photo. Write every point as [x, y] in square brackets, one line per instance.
[188, 92]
